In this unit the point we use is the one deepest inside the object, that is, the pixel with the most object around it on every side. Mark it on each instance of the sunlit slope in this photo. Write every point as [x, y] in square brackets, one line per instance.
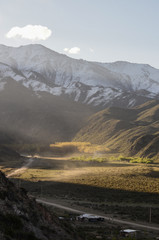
[129, 131]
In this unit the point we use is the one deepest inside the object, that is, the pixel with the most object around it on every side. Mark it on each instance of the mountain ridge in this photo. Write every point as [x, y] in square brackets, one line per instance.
[98, 84]
[47, 96]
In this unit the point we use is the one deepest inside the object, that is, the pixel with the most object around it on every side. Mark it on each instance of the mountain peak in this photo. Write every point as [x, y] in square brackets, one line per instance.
[98, 84]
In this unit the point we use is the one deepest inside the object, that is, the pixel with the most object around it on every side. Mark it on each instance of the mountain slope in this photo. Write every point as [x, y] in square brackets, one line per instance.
[98, 84]
[26, 117]
[130, 131]
[46, 96]
[22, 218]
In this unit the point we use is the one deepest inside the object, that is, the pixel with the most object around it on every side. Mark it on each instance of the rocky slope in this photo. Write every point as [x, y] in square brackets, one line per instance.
[129, 131]
[22, 218]
[99, 84]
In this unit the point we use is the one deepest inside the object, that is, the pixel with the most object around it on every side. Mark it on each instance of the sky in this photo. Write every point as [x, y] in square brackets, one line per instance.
[94, 30]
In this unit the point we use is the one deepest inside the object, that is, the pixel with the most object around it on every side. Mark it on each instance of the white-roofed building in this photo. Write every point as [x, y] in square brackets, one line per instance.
[128, 233]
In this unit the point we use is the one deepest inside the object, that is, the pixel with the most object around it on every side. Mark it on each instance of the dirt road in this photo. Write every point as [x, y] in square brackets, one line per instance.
[112, 220]
[22, 169]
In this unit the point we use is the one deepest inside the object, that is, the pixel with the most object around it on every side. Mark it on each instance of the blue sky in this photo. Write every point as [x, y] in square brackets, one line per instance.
[96, 30]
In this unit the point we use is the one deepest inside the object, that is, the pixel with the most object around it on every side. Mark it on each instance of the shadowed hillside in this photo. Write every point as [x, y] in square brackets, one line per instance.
[22, 218]
[26, 117]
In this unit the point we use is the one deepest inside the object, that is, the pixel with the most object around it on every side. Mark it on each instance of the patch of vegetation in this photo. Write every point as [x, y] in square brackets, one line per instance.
[135, 159]
[78, 147]
[89, 158]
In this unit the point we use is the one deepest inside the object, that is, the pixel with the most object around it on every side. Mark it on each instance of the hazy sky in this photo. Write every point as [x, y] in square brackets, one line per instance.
[97, 30]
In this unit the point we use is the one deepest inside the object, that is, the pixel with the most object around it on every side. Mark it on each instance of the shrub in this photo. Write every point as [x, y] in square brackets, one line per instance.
[135, 159]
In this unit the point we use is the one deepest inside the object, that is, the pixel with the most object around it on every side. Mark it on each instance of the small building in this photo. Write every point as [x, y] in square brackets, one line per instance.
[128, 233]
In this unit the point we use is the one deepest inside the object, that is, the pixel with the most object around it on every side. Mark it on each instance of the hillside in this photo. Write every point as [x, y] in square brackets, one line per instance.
[129, 131]
[46, 97]
[26, 117]
[22, 218]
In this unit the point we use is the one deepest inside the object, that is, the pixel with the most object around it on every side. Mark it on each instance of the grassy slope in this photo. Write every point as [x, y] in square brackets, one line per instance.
[130, 131]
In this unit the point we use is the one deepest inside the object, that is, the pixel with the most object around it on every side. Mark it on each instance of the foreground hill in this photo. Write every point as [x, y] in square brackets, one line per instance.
[22, 218]
[130, 131]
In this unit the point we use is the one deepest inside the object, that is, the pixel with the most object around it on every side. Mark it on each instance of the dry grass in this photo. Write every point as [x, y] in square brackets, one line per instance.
[119, 188]
[130, 178]
[121, 176]
[80, 147]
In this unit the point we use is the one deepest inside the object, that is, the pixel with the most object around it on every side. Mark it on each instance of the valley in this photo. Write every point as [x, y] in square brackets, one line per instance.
[117, 177]
[115, 189]
[82, 137]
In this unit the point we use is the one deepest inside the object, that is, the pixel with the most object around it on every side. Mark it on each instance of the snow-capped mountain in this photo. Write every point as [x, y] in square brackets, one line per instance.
[100, 84]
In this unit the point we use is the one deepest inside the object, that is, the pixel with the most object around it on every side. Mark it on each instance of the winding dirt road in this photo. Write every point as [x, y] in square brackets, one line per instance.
[22, 169]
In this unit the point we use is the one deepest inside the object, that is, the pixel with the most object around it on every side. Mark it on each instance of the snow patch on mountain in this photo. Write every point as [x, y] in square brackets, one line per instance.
[43, 70]
[140, 76]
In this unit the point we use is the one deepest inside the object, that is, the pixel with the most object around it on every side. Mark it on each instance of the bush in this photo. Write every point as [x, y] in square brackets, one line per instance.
[135, 159]
[88, 159]
[79, 147]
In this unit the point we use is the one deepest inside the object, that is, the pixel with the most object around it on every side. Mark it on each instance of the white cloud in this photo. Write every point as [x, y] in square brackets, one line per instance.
[74, 50]
[31, 32]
